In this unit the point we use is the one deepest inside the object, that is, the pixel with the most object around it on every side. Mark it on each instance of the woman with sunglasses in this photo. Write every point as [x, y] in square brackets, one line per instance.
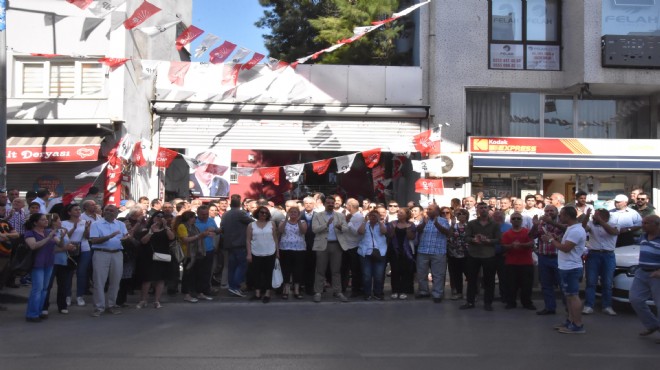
[157, 239]
[43, 241]
[262, 249]
[448, 214]
[401, 234]
[456, 253]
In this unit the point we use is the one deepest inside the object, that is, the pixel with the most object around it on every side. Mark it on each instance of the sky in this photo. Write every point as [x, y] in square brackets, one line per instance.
[230, 20]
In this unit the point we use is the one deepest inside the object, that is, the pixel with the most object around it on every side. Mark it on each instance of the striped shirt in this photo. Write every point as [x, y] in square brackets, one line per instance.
[649, 252]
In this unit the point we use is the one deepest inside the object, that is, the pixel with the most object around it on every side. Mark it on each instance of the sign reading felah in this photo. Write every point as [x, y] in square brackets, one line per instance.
[40, 154]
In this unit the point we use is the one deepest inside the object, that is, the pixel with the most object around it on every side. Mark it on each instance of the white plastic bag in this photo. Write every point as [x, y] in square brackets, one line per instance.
[277, 275]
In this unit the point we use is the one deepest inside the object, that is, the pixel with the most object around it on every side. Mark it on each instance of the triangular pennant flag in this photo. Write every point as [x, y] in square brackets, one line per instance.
[187, 36]
[345, 162]
[178, 72]
[89, 25]
[431, 165]
[239, 55]
[321, 167]
[371, 157]
[221, 53]
[154, 30]
[409, 10]
[138, 157]
[149, 68]
[78, 193]
[101, 8]
[165, 157]
[243, 171]
[141, 14]
[94, 172]
[400, 147]
[82, 4]
[230, 74]
[113, 63]
[430, 186]
[425, 144]
[271, 174]
[293, 172]
[206, 44]
[256, 58]
[125, 148]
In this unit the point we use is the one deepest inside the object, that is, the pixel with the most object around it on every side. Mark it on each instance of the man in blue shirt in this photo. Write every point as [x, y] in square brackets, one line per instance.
[106, 236]
[647, 277]
[432, 252]
[208, 227]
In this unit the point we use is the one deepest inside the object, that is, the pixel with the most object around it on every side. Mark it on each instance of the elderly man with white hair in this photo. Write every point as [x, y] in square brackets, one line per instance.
[627, 220]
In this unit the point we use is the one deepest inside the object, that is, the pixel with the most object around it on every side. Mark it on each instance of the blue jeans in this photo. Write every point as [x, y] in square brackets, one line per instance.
[40, 280]
[438, 265]
[549, 279]
[82, 274]
[643, 288]
[599, 264]
[570, 280]
[373, 274]
[237, 265]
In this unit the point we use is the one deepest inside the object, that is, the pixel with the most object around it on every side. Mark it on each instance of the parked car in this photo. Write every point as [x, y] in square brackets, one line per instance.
[627, 259]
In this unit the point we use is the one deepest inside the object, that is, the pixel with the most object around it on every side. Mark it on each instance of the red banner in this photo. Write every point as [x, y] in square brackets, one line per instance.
[41, 154]
[425, 145]
[165, 157]
[222, 52]
[430, 186]
[82, 4]
[78, 193]
[113, 63]
[138, 156]
[256, 58]
[371, 157]
[112, 192]
[271, 174]
[321, 167]
[177, 72]
[187, 36]
[141, 14]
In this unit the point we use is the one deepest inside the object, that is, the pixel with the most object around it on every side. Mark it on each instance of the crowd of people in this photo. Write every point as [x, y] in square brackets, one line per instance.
[325, 245]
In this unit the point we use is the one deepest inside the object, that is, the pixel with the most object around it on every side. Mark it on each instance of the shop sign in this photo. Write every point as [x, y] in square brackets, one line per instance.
[41, 154]
[506, 56]
[583, 147]
[543, 57]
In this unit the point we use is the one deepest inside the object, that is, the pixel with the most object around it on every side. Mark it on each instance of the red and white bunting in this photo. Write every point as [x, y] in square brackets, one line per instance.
[230, 74]
[256, 58]
[159, 28]
[177, 72]
[141, 14]
[322, 166]
[138, 157]
[240, 54]
[113, 63]
[345, 162]
[78, 193]
[112, 191]
[427, 143]
[221, 53]
[430, 186]
[101, 8]
[188, 36]
[293, 171]
[371, 157]
[206, 44]
[165, 157]
[271, 174]
[82, 4]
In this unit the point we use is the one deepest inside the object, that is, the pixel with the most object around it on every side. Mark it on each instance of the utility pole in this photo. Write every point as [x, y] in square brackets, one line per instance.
[3, 93]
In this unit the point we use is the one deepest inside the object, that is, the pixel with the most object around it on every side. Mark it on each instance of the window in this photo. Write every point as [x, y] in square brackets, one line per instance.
[525, 34]
[519, 114]
[631, 17]
[59, 79]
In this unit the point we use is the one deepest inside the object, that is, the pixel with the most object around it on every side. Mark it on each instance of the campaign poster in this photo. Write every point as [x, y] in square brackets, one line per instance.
[209, 172]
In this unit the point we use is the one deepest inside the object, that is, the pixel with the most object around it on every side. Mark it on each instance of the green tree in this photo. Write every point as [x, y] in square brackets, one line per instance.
[291, 35]
[300, 28]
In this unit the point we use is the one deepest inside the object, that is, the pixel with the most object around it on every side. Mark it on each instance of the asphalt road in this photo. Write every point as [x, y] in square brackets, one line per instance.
[237, 334]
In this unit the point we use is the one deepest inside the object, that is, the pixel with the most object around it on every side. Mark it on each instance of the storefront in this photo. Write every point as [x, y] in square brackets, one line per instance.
[603, 168]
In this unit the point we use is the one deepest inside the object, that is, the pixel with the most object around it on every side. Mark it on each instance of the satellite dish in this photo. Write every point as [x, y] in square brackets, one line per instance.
[448, 164]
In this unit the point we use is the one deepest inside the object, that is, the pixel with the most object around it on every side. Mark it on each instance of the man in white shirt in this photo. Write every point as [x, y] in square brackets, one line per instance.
[350, 258]
[627, 220]
[42, 199]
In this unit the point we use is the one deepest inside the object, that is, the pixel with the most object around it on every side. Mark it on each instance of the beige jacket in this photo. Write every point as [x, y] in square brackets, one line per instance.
[320, 229]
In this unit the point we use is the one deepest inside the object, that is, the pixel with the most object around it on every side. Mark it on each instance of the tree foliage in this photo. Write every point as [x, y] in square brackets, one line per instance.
[300, 28]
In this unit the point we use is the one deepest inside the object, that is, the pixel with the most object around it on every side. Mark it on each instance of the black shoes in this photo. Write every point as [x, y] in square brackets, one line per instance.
[488, 307]
[545, 311]
[466, 306]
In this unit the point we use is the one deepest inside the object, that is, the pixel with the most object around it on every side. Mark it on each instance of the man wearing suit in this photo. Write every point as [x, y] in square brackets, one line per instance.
[310, 258]
[330, 231]
[204, 184]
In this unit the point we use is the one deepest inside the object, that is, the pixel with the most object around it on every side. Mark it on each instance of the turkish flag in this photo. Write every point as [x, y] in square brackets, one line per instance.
[165, 157]
[256, 58]
[322, 166]
[430, 186]
[187, 36]
[82, 4]
[177, 72]
[271, 174]
[113, 63]
[141, 14]
[425, 144]
[138, 156]
[222, 52]
[80, 192]
[371, 157]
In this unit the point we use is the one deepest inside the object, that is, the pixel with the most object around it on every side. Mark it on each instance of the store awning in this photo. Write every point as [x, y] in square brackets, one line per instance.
[53, 149]
[564, 162]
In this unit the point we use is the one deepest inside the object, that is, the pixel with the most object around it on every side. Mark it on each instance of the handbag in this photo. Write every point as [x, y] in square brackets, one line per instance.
[176, 251]
[23, 259]
[162, 257]
[277, 279]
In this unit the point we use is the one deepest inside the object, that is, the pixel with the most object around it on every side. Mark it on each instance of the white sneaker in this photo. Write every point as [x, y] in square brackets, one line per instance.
[395, 296]
[403, 296]
[80, 301]
[587, 310]
[68, 301]
[609, 311]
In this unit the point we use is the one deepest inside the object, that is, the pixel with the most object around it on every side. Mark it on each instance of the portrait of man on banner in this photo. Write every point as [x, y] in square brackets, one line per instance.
[209, 175]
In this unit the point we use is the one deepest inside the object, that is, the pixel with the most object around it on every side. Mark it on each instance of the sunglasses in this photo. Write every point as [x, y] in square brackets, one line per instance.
[393, 205]
[516, 218]
[264, 213]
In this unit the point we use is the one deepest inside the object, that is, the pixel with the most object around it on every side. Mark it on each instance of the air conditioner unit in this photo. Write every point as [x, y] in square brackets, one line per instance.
[454, 165]
[619, 51]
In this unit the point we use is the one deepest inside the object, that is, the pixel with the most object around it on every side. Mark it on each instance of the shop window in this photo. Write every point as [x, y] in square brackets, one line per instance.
[518, 114]
[525, 34]
[59, 79]
[631, 17]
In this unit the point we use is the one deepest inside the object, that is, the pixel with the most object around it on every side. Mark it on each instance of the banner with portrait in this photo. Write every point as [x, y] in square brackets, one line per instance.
[210, 176]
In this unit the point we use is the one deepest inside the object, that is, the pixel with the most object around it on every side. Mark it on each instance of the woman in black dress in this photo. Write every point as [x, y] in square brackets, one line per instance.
[156, 238]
